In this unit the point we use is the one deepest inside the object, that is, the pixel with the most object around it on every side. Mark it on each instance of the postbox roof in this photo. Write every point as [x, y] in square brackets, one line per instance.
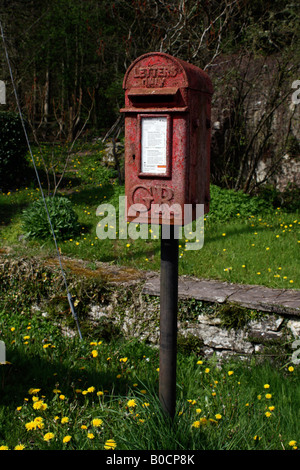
[158, 69]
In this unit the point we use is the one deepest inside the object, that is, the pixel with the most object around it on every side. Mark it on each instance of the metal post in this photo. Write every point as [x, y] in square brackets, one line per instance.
[168, 322]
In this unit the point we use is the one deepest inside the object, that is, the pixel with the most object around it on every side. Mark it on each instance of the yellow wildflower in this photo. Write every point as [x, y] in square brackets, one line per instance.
[97, 422]
[131, 403]
[110, 444]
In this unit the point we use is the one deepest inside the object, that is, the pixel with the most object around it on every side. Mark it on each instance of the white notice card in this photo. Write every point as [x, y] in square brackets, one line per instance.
[154, 145]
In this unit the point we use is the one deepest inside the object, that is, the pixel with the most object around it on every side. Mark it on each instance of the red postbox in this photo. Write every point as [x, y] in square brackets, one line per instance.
[167, 138]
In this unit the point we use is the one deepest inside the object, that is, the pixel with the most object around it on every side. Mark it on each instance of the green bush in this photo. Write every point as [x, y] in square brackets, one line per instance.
[64, 219]
[13, 148]
[227, 203]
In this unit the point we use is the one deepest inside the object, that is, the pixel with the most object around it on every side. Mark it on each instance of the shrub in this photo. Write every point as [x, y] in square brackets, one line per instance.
[13, 148]
[64, 219]
[227, 203]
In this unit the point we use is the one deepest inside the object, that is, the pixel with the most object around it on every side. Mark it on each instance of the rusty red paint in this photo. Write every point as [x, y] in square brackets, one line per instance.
[179, 95]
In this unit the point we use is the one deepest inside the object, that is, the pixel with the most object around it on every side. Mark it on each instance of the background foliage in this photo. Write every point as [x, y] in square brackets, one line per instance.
[69, 59]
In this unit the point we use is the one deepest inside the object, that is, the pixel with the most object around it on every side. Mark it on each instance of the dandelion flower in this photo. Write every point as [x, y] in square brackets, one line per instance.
[230, 372]
[48, 436]
[90, 435]
[34, 391]
[268, 396]
[110, 444]
[131, 403]
[66, 439]
[292, 443]
[31, 425]
[268, 414]
[94, 353]
[218, 416]
[40, 405]
[20, 447]
[196, 424]
[266, 386]
[39, 422]
[64, 420]
[4, 448]
[97, 422]
[291, 369]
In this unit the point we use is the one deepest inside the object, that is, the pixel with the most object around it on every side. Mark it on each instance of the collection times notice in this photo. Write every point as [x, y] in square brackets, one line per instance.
[154, 145]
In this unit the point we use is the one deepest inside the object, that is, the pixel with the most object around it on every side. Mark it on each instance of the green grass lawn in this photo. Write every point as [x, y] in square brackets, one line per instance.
[61, 393]
[245, 239]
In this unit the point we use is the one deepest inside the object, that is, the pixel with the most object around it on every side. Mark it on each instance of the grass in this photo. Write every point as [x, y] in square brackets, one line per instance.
[246, 240]
[61, 393]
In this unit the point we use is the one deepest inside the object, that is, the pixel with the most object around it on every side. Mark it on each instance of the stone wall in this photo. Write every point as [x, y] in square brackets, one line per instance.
[213, 317]
[260, 331]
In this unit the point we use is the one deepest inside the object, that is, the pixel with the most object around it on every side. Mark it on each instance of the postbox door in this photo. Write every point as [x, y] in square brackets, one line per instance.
[156, 162]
